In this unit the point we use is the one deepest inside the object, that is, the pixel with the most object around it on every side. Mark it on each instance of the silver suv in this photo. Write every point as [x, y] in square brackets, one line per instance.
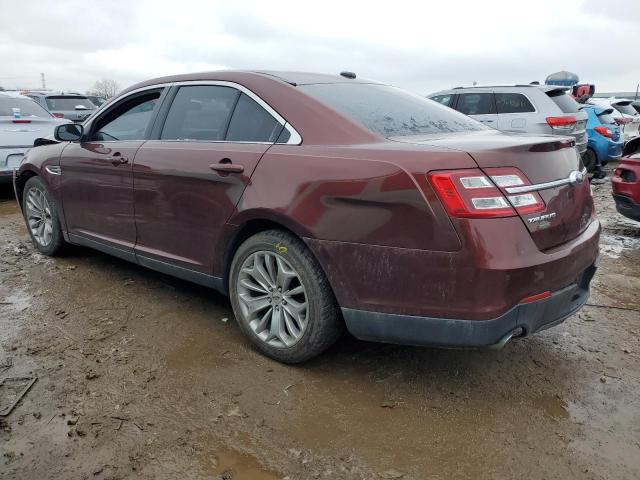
[533, 109]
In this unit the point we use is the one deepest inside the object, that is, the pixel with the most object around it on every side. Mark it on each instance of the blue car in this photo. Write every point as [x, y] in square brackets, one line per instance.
[605, 141]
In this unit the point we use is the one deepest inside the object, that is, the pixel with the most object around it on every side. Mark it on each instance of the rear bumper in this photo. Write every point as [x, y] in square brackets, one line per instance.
[627, 207]
[445, 332]
[10, 158]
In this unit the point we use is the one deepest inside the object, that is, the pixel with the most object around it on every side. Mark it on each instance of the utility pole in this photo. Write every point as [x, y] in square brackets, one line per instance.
[44, 84]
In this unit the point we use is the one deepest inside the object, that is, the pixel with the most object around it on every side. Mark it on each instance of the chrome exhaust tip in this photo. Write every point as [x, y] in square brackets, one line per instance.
[503, 341]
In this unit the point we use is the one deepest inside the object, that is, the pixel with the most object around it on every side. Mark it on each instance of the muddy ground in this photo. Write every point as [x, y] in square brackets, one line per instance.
[144, 376]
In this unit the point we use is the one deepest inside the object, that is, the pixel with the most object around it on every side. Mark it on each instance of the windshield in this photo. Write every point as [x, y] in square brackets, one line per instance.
[69, 103]
[28, 108]
[390, 111]
[626, 108]
[606, 118]
[564, 101]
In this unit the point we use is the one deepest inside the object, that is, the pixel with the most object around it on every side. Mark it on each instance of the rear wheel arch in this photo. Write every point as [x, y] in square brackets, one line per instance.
[251, 227]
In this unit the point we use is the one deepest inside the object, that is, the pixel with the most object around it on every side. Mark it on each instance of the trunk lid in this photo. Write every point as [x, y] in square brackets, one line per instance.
[23, 131]
[543, 159]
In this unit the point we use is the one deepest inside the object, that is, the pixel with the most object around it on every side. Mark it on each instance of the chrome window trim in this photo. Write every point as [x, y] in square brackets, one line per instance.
[294, 139]
[570, 180]
[109, 103]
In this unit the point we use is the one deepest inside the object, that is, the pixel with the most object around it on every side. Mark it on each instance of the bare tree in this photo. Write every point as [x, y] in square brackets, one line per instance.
[105, 87]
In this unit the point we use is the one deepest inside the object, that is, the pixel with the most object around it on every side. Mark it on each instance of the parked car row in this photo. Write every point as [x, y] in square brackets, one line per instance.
[601, 127]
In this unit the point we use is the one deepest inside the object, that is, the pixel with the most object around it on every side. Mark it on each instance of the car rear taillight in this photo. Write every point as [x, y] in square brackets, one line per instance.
[623, 121]
[58, 115]
[562, 124]
[472, 194]
[604, 131]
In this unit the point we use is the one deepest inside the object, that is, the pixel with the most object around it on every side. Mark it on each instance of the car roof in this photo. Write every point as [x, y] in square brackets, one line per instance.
[544, 88]
[238, 76]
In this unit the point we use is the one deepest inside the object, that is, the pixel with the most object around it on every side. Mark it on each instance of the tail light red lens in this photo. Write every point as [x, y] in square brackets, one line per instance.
[604, 131]
[474, 194]
[567, 121]
[58, 115]
[622, 121]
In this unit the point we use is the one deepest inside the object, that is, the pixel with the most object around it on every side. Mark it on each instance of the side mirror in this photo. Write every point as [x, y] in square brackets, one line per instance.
[69, 132]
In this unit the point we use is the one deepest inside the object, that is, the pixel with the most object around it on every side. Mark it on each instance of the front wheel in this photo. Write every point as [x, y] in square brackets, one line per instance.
[282, 299]
[41, 215]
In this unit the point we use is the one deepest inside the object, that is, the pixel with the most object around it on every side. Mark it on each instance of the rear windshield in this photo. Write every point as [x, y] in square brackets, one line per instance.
[28, 108]
[606, 118]
[627, 109]
[69, 103]
[390, 111]
[564, 101]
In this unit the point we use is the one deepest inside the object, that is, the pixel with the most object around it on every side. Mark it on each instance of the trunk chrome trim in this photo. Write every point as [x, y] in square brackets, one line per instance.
[574, 178]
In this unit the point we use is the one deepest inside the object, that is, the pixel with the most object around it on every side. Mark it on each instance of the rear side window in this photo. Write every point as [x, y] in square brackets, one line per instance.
[443, 99]
[564, 101]
[200, 113]
[513, 103]
[389, 111]
[252, 123]
[476, 104]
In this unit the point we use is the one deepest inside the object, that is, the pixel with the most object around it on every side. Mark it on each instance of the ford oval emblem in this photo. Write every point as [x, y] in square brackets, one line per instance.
[576, 177]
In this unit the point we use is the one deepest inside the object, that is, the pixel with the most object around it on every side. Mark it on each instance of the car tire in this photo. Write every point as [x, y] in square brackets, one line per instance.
[589, 160]
[282, 299]
[40, 212]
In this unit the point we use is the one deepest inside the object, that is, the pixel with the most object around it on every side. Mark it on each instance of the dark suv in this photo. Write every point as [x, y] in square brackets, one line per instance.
[316, 201]
[72, 106]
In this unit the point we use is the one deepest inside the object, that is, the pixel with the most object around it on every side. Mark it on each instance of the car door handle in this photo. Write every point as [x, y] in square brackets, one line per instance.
[226, 167]
[117, 159]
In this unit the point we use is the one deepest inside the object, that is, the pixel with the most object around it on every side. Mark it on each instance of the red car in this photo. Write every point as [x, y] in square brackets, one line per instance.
[319, 201]
[626, 181]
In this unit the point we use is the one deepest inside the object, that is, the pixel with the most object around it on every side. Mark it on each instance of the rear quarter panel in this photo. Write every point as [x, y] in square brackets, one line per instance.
[361, 194]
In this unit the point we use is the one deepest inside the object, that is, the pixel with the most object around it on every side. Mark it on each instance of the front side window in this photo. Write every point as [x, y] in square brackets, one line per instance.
[28, 108]
[68, 103]
[200, 112]
[252, 123]
[127, 121]
[390, 111]
[476, 104]
[513, 103]
[443, 99]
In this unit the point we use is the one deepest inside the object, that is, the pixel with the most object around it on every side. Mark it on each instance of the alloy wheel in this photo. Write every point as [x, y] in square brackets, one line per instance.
[272, 298]
[39, 216]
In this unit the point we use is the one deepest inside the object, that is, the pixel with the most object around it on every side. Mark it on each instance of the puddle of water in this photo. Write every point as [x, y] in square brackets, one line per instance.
[9, 207]
[230, 464]
[552, 406]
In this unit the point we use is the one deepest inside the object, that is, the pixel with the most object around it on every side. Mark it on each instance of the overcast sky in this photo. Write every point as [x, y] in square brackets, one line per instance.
[422, 46]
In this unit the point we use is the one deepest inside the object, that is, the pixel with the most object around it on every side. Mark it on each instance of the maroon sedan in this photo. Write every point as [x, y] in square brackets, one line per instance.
[626, 181]
[320, 201]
